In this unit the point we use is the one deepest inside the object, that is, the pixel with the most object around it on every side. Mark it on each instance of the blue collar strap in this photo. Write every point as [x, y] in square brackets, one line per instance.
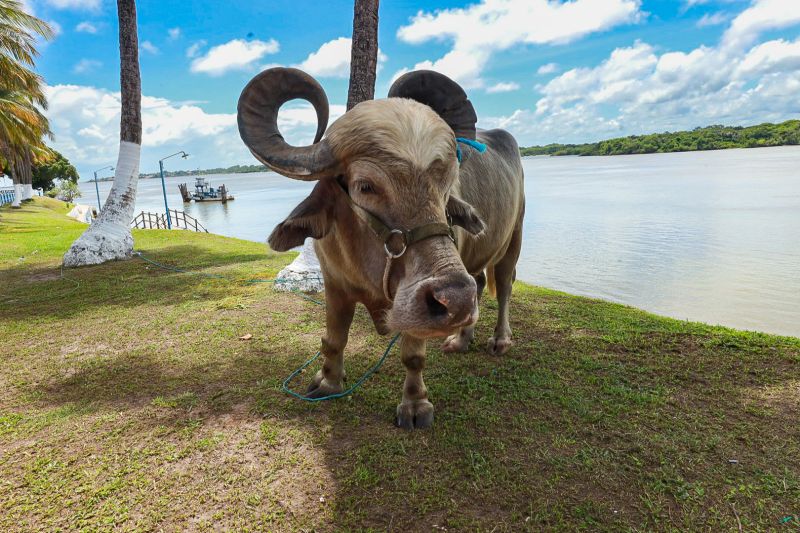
[480, 147]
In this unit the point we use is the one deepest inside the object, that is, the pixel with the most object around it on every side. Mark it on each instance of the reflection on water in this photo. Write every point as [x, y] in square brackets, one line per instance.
[709, 236]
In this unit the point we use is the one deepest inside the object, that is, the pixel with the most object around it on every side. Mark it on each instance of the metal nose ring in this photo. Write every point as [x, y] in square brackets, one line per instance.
[391, 254]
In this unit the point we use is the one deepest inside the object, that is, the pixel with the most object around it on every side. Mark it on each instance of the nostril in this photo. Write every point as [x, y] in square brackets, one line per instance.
[437, 305]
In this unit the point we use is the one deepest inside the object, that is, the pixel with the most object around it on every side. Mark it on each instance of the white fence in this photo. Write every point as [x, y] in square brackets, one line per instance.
[6, 195]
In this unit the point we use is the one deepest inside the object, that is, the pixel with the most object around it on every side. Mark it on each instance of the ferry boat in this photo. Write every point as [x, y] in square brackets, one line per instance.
[205, 192]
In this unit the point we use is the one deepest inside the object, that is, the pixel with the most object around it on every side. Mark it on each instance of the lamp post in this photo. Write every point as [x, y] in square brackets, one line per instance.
[164, 185]
[96, 188]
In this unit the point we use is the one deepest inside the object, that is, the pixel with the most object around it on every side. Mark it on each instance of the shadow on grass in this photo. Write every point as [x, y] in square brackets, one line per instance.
[42, 291]
[601, 418]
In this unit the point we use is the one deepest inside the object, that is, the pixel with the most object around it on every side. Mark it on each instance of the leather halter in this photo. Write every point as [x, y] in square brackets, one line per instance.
[390, 236]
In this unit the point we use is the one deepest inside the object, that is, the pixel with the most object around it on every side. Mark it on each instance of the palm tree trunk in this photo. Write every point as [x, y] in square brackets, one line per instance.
[304, 272]
[17, 167]
[26, 175]
[109, 236]
[364, 53]
[17, 191]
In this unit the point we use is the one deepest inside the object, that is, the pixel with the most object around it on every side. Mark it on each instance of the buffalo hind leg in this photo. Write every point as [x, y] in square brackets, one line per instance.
[339, 313]
[459, 342]
[504, 273]
[415, 411]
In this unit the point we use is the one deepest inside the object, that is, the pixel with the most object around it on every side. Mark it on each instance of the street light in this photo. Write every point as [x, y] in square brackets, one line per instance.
[164, 185]
[96, 188]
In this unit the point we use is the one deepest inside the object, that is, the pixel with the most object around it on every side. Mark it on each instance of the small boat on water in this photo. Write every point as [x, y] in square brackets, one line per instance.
[204, 192]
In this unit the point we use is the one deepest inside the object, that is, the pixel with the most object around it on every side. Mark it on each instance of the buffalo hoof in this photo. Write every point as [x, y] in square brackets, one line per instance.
[320, 387]
[414, 415]
[458, 342]
[499, 346]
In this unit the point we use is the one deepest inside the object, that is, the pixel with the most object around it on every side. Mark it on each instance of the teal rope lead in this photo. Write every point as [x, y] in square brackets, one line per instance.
[285, 387]
[479, 146]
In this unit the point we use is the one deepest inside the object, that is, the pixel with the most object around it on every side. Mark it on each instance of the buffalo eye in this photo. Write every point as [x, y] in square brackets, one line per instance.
[364, 187]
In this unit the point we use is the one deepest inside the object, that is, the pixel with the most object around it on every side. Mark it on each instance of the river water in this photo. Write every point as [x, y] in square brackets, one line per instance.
[707, 236]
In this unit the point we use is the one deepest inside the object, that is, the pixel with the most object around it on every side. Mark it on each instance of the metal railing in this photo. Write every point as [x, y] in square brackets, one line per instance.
[180, 220]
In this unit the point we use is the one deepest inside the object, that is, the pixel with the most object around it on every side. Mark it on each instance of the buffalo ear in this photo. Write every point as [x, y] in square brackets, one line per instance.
[313, 217]
[464, 215]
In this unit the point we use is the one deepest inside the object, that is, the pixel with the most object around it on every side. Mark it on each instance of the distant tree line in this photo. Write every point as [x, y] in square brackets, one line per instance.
[235, 169]
[709, 138]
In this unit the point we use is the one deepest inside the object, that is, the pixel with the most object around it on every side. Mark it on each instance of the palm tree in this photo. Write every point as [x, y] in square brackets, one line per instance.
[22, 124]
[109, 236]
[304, 272]
[22, 127]
[364, 53]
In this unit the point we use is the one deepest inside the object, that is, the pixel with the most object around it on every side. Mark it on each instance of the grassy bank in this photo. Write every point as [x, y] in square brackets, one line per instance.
[127, 401]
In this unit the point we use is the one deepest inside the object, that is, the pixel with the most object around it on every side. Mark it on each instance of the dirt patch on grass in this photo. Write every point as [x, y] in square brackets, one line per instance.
[44, 275]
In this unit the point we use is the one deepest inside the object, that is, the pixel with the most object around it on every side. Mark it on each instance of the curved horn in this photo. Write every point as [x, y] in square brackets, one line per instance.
[443, 95]
[258, 124]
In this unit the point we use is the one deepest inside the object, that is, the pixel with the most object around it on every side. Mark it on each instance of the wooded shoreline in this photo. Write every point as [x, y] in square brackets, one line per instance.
[699, 139]
[715, 137]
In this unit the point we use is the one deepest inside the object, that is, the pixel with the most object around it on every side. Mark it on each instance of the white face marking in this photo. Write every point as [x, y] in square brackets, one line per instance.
[403, 128]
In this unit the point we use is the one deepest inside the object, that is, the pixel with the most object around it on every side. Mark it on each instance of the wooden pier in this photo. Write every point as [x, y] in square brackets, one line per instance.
[179, 220]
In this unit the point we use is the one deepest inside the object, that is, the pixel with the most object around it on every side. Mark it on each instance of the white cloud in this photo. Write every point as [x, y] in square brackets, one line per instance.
[194, 49]
[86, 27]
[237, 54]
[712, 19]
[173, 34]
[503, 87]
[92, 5]
[482, 29]
[85, 121]
[639, 89]
[299, 121]
[86, 65]
[56, 27]
[332, 59]
[27, 7]
[148, 47]
[762, 15]
[770, 57]
[689, 4]
[548, 68]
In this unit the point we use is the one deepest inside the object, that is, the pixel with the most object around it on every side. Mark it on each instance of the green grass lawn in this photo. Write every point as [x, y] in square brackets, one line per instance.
[128, 402]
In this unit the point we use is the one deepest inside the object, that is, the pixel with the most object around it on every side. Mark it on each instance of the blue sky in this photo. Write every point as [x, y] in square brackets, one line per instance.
[546, 70]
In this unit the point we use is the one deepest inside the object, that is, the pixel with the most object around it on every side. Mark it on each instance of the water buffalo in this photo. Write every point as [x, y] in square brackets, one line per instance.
[400, 225]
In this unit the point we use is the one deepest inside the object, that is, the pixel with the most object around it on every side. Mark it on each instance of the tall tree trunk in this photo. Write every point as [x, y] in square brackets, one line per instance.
[304, 272]
[21, 175]
[109, 236]
[364, 53]
[26, 175]
[18, 188]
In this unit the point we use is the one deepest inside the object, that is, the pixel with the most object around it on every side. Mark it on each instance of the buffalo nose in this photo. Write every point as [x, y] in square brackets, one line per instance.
[451, 301]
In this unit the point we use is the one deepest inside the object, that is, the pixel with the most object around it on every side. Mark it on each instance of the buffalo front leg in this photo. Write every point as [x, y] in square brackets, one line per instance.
[338, 317]
[415, 411]
[459, 341]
